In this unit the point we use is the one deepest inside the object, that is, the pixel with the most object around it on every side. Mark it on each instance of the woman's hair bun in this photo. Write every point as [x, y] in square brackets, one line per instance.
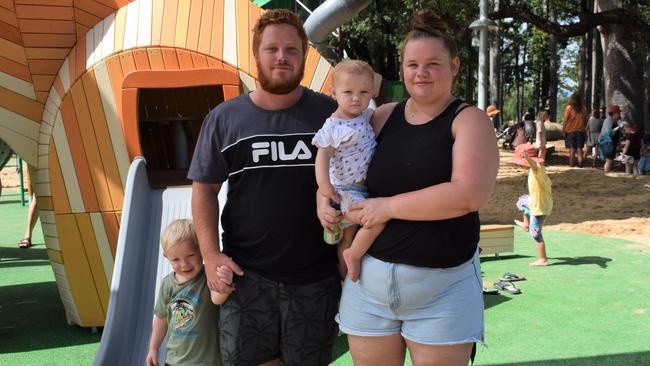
[427, 21]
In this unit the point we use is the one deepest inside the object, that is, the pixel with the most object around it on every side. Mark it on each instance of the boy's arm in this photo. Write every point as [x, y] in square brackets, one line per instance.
[158, 331]
[225, 274]
[218, 298]
[323, 173]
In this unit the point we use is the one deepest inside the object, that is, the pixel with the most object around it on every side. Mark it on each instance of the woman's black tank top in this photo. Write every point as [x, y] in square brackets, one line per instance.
[411, 157]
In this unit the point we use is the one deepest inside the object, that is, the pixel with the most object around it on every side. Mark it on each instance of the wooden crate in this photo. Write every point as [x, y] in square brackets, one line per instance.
[496, 239]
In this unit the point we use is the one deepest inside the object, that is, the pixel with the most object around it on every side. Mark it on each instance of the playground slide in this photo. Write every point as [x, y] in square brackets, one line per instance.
[139, 266]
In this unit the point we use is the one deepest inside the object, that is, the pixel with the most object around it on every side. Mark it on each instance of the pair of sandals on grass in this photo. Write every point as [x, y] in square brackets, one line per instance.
[505, 283]
[25, 243]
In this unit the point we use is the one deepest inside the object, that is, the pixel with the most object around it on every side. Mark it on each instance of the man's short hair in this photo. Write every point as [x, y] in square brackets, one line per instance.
[357, 67]
[278, 16]
[176, 232]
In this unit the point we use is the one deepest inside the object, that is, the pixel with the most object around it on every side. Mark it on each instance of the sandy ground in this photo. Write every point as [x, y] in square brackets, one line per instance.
[585, 200]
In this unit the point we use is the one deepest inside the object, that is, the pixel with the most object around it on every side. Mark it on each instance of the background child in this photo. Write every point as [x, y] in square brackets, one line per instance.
[185, 308]
[632, 149]
[345, 144]
[538, 203]
[644, 161]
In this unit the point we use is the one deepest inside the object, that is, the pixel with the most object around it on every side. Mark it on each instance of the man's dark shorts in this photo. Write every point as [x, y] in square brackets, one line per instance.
[264, 320]
[575, 140]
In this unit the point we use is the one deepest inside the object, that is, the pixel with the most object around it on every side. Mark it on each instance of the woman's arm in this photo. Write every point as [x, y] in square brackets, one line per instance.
[474, 168]
[380, 116]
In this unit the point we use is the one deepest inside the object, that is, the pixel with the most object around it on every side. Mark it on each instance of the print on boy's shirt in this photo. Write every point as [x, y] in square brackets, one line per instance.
[270, 151]
[183, 310]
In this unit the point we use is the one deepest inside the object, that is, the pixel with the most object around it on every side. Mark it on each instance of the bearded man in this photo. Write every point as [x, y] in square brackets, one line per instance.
[287, 288]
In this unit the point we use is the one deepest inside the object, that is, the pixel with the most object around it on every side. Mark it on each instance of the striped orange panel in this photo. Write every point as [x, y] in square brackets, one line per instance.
[79, 275]
[327, 84]
[58, 87]
[103, 140]
[255, 13]
[310, 66]
[20, 104]
[156, 21]
[116, 75]
[141, 59]
[94, 8]
[168, 32]
[47, 53]
[42, 82]
[205, 32]
[60, 202]
[94, 258]
[86, 19]
[216, 46]
[79, 160]
[80, 62]
[90, 147]
[155, 58]
[9, 17]
[213, 63]
[49, 40]
[15, 69]
[194, 25]
[72, 62]
[182, 23]
[128, 62]
[120, 26]
[184, 59]
[45, 202]
[243, 33]
[44, 12]
[41, 96]
[45, 67]
[47, 26]
[199, 61]
[112, 227]
[230, 92]
[81, 30]
[170, 59]
[10, 32]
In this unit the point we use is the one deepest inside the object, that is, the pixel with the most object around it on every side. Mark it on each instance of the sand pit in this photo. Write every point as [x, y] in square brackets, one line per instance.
[586, 200]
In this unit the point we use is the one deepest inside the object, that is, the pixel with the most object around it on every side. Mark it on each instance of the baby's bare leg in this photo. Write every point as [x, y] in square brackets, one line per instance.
[345, 243]
[362, 241]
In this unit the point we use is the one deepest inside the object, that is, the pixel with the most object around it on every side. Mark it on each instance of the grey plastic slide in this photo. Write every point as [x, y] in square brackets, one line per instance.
[139, 266]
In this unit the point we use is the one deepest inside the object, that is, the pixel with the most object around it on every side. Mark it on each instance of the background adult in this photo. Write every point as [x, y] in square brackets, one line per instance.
[594, 126]
[434, 167]
[287, 296]
[493, 113]
[574, 126]
[609, 132]
[540, 133]
[32, 215]
[529, 124]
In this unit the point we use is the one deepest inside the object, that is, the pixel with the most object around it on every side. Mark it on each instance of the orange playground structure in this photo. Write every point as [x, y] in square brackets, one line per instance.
[87, 85]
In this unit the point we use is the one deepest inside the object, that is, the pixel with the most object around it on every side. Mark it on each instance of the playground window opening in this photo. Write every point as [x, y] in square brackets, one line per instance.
[169, 122]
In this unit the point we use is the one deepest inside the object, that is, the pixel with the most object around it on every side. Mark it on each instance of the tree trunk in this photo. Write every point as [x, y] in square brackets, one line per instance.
[596, 70]
[553, 66]
[621, 72]
[469, 76]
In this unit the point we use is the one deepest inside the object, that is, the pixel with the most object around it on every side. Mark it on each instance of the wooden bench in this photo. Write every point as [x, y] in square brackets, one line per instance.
[496, 239]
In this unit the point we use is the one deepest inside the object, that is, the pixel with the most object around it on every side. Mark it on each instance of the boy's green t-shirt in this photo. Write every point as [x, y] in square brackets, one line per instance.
[192, 334]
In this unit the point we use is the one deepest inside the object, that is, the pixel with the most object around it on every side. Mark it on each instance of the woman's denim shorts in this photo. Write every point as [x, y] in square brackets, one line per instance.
[433, 306]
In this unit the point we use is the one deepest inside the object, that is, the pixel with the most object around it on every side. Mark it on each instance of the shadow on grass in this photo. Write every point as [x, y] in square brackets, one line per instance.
[578, 261]
[18, 257]
[621, 359]
[33, 319]
[493, 258]
[494, 300]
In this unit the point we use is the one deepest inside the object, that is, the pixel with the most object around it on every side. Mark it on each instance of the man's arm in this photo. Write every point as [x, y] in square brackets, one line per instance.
[205, 214]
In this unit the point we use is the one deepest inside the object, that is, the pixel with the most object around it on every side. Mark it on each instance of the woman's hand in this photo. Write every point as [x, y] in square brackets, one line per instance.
[328, 215]
[371, 212]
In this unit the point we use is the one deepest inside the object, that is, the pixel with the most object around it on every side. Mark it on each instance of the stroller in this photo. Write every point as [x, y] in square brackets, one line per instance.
[508, 134]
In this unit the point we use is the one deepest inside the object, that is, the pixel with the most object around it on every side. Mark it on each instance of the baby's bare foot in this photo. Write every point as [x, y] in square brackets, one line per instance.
[353, 264]
[539, 263]
[521, 225]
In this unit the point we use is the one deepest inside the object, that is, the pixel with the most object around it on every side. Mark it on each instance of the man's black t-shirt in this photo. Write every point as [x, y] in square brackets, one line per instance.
[269, 220]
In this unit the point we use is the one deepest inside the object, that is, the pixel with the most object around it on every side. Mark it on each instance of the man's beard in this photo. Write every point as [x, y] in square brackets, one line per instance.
[278, 87]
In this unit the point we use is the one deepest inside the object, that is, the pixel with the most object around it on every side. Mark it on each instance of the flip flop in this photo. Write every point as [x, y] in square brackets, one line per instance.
[25, 243]
[511, 277]
[507, 287]
[488, 288]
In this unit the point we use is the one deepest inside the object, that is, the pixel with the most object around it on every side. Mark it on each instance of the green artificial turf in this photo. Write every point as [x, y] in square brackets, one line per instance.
[591, 306]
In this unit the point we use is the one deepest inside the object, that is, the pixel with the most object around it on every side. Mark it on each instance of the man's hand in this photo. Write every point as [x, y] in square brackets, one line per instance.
[218, 282]
[328, 216]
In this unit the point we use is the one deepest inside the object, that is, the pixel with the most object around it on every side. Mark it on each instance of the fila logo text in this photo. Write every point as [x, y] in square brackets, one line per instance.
[277, 151]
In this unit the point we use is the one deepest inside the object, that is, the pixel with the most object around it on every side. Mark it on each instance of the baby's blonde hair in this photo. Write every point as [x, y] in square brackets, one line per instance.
[176, 232]
[352, 67]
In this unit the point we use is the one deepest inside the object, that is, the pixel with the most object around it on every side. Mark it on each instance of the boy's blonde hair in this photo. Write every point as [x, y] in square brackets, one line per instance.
[176, 232]
[352, 67]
